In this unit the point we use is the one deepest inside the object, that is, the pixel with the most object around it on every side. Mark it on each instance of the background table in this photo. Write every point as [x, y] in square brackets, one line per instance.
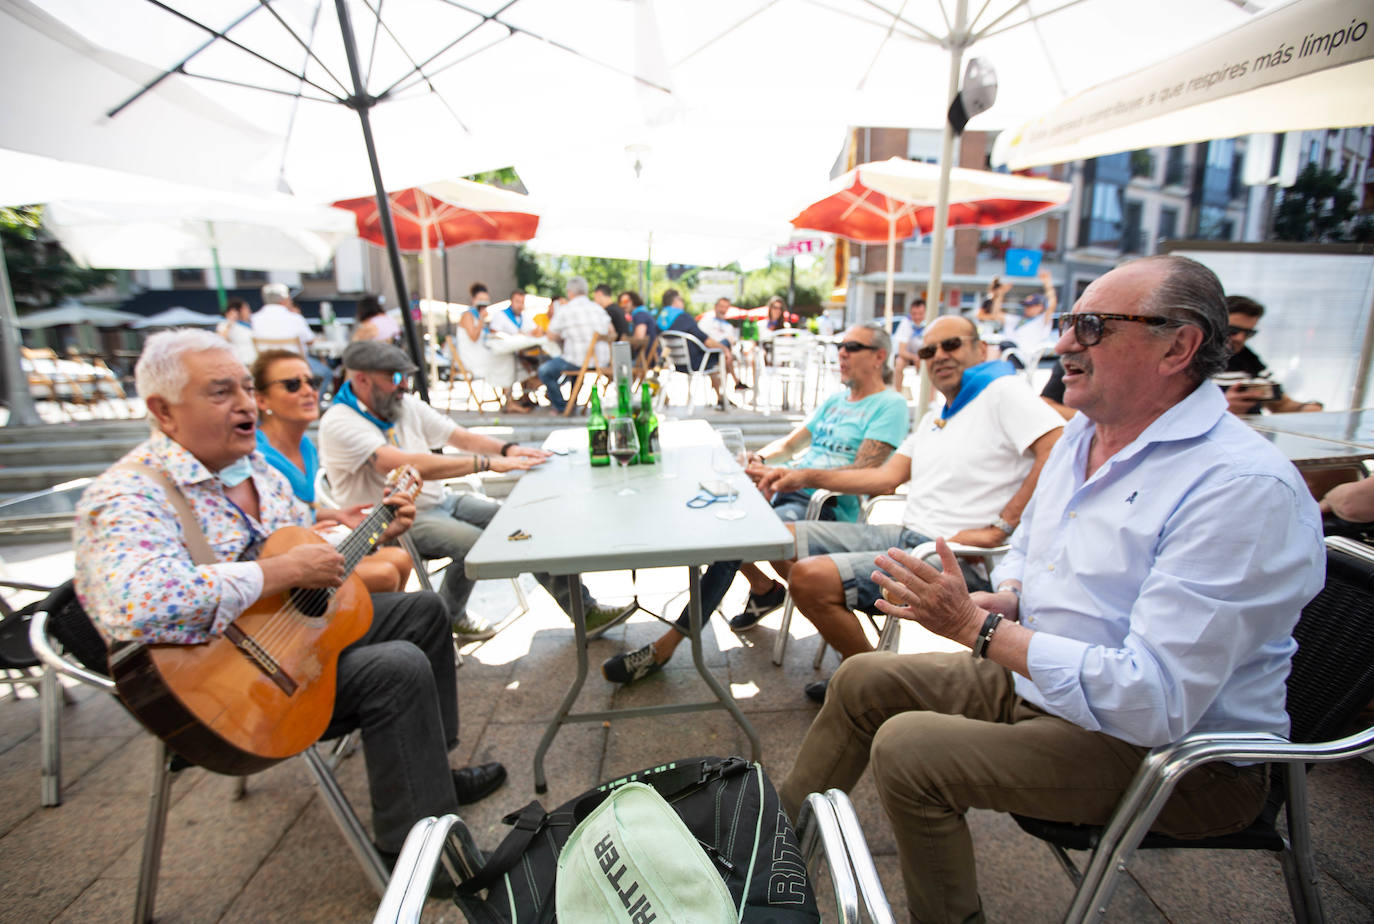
[1326, 439]
[576, 523]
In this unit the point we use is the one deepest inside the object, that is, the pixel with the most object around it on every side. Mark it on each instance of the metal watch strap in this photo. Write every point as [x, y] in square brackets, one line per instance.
[1003, 525]
[980, 647]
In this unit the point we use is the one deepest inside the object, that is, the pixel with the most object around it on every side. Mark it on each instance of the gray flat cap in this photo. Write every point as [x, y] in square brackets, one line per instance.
[376, 356]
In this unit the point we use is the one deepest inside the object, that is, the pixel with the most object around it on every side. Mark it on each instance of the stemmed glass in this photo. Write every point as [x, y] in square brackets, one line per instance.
[622, 442]
[726, 460]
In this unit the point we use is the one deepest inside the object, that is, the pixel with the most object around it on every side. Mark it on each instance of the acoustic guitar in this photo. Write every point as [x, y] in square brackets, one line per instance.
[264, 690]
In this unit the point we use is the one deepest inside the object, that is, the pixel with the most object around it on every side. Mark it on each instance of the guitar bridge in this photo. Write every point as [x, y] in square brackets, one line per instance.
[254, 652]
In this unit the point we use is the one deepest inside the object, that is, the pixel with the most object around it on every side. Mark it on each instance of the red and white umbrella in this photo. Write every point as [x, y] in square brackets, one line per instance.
[446, 213]
[887, 201]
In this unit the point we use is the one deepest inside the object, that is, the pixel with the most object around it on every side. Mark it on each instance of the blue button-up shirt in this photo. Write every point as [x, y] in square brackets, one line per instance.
[1163, 590]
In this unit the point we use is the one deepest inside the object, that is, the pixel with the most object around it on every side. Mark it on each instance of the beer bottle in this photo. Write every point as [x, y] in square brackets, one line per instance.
[623, 407]
[596, 431]
[646, 423]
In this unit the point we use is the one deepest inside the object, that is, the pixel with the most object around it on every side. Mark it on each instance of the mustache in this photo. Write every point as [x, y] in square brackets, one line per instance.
[1076, 363]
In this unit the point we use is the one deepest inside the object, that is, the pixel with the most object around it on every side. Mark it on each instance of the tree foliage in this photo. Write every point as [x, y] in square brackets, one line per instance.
[41, 272]
[814, 283]
[1317, 208]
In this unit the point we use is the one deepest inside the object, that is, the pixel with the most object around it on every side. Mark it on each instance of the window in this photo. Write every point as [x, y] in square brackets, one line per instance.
[1103, 217]
[1213, 224]
[1217, 172]
[1174, 166]
[326, 274]
[880, 303]
[251, 277]
[1130, 232]
[1142, 164]
[1168, 224]
[188, 278]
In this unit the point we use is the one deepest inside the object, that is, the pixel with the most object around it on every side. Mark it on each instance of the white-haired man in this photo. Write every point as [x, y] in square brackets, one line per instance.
[1151, 591]
[137, 580]
[280, 319]
[574, 326]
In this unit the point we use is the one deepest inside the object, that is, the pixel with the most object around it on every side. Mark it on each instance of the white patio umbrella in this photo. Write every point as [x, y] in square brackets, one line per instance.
[1307, 65]
[76, 313]
[177, 316]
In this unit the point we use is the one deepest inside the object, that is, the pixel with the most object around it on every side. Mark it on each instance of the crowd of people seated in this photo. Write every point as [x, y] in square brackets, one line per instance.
[1156, 551]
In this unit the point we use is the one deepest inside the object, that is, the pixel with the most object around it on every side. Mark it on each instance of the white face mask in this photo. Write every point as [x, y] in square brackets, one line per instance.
[236, 473]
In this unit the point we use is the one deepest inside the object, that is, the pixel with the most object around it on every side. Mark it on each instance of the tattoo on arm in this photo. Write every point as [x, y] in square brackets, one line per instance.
[871, 454]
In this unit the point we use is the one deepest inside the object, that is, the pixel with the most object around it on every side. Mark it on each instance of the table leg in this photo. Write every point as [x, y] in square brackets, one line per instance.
[579, 619]
[726, 700]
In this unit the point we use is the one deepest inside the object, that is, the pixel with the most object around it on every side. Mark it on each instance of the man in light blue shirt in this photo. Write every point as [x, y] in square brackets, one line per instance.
[1151, 591]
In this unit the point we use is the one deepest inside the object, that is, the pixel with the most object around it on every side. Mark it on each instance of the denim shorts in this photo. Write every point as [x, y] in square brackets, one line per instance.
[853, 546]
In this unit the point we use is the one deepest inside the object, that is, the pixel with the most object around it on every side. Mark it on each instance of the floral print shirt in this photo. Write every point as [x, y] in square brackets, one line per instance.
[134, 574]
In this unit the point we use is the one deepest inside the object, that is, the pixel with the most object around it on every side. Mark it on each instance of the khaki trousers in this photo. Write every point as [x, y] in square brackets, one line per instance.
[946, 733]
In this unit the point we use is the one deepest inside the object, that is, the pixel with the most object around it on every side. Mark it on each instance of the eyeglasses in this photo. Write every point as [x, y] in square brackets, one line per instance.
[949, 345]
[1087, 325]
[855, 346]
[1246, 332]
[294, 385]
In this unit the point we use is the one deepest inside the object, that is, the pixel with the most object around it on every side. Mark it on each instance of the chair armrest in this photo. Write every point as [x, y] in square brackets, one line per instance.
[818, 826]
[408, 888]
[42, 647]
[927, 550]
[856, 848]
[817, 501]
[872, 503]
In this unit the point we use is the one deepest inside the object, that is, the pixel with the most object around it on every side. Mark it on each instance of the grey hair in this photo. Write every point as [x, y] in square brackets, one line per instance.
[577, 286]
[160, 370]
[276, 293]
[1190, 293]
[881, 338]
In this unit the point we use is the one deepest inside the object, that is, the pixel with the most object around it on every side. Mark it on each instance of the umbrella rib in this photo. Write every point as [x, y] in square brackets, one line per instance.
[930, 36]
[175, 68]
[395, 89]
[372, 53]
[716, 38]
[432, 88]
[266, 4]
[295, 94]
[1031, 17]
[973, 23]
[241, 47]
[559, 45]
[873, 61]
[419, 68]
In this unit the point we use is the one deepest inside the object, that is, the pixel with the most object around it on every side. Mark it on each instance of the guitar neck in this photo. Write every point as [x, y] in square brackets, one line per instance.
[365, 538]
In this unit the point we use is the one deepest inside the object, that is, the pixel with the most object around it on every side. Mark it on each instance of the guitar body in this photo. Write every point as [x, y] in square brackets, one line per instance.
[260, 693]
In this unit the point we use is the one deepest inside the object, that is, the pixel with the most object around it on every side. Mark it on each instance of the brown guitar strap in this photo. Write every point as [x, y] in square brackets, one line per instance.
[194, 536]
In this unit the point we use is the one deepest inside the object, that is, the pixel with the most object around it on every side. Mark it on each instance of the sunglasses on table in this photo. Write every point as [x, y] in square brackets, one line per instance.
[1088, 325]
[854, 346]
[949, 345]
[294, 385]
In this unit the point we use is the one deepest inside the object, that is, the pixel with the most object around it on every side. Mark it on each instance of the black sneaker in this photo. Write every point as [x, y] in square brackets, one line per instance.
[816, 691]
[631, 666]
[759, 606]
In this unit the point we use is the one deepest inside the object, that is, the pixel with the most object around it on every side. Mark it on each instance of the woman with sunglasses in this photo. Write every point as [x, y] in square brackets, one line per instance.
[288, 402]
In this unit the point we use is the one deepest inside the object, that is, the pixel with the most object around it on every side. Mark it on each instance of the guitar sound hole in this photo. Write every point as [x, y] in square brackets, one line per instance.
[310, 601]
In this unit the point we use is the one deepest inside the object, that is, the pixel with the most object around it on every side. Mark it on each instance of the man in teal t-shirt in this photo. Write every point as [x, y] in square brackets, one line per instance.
[855, 428]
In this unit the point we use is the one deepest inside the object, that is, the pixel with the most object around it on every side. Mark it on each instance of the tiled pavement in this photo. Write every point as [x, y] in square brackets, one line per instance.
[275, 855]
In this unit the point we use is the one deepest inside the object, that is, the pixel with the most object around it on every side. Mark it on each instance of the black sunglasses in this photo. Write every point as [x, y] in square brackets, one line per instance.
[949, 345]
[1246, 332]
[854, 346]
[294, 385]
[1088, 325]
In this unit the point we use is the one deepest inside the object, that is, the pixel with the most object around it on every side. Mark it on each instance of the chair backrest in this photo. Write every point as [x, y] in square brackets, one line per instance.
[1333, 669]
[69, 623]
[676, 343]
[791, 347]
[263, 344]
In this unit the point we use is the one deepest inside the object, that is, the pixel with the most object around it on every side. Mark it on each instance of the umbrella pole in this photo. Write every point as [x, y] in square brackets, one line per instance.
[427, 280]
[362, 102]
[958, 42]
[219, 273]
[22, 410]
[891, 269]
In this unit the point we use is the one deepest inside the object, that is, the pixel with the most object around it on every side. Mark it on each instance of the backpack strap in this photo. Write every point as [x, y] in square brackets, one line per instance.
[528, 822]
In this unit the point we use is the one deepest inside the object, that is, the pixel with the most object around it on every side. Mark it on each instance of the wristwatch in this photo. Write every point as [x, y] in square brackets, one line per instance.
[1011, 586]
[1003, 525]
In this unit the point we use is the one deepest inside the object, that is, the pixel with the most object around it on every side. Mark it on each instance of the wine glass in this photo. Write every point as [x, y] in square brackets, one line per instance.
[622, 442]
[726, 460]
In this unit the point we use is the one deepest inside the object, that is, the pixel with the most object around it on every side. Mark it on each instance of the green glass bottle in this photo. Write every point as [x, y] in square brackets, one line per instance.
[596, 432]
[623, 409]
[646, 424]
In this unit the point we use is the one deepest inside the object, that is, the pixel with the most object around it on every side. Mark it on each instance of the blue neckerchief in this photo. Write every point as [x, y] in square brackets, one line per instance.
[513, 318]
[667, 315]
[346, 397]
[245, 324]
[302, 481]
[236, 473]
[975, 379]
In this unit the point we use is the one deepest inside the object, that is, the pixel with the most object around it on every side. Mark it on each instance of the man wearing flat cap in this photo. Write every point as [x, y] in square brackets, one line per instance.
[376, 425]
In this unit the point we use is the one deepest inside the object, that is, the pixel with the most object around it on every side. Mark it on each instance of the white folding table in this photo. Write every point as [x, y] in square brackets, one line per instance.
[575, 522]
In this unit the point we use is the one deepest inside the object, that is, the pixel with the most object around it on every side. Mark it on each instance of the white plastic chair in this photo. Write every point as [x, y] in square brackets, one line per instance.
[792, 351]
[675, 344]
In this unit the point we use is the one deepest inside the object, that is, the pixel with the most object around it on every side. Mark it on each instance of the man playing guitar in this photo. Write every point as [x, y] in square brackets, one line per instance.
[138, 581]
